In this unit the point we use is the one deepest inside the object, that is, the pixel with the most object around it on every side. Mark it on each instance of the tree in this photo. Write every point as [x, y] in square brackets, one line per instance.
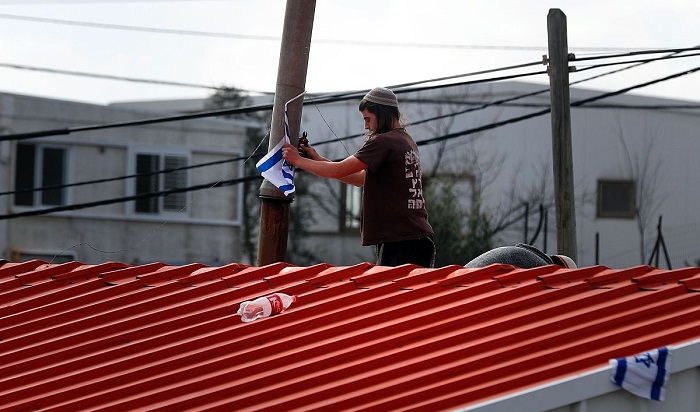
[459, 235]
[643, 169]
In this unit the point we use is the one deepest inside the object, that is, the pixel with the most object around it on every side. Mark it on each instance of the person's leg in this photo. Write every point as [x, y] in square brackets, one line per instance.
[419, 252]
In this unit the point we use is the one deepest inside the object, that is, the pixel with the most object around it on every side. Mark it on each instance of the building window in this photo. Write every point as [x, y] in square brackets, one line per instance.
[155, 174]
[40, 166]
[351, 207]
[616, 199]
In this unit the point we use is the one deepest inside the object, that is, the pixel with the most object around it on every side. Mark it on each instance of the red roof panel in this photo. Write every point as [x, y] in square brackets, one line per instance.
[159, 337]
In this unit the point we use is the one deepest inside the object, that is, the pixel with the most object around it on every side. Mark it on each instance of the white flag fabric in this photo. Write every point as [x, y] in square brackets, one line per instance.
[644, 375]
[273, 167]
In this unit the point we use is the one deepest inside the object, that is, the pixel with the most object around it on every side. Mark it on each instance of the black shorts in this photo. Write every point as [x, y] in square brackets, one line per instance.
[419, 252]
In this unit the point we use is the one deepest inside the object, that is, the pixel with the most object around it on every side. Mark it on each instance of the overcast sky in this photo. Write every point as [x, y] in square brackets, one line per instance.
[213, 43]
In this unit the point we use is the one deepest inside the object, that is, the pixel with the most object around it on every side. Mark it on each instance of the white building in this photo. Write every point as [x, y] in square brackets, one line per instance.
[630, 153]
[185, 226]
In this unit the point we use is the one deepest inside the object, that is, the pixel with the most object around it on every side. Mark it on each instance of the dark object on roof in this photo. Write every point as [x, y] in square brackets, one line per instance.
[521, 255]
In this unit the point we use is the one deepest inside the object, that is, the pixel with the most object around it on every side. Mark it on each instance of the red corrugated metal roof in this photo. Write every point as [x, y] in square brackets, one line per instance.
[158, 337]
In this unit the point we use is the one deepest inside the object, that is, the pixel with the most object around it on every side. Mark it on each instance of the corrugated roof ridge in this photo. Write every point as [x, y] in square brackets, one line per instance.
[57, 342]
[451, 369]
[658, 278]
[380, 274]
[169, 273]
[466, 276]
[58, 394]
[92, 313]
[25, 296]
[46, 272]
[421, 276]
[250, 274]
[363, 338]
[212, 274]
[596, 353]
[563, 276]
[8, 270]
[292, 274]
[276, 349]
[515, 276]
[343, 375]
[613, 277]
[88, 272]
[392, 340]
[73, 372]
[129, 273]
[273, 318]
[336, 274]
[39, 309]
[692, 283]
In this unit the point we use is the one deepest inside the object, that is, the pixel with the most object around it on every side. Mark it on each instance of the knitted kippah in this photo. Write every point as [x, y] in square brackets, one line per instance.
[382, 95]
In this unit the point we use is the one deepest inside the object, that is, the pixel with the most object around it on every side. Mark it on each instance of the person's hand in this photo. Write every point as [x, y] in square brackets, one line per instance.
[290, 154]
[310, 152]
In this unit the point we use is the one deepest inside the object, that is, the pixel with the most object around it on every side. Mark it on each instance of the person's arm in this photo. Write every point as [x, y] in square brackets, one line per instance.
[349, 170]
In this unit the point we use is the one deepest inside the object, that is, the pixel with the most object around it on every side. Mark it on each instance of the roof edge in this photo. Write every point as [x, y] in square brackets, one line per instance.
[577, 388]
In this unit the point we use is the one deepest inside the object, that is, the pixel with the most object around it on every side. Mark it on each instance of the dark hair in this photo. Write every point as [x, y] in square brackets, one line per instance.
[385, 115]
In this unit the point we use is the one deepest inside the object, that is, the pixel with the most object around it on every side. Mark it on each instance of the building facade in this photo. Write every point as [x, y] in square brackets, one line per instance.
[154, 192]
[634, 162]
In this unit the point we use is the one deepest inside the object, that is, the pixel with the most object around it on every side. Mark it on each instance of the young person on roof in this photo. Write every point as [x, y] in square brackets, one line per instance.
[387, 166]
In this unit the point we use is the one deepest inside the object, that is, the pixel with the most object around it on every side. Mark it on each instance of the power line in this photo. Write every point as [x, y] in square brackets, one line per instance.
[24, 2]
[419, 143]
[155, 120]
[637, 53]
[226, 112]
[131, 176]
[277, 38]
[220, 183]
[105, 76]
[642, 61]
[626, 89]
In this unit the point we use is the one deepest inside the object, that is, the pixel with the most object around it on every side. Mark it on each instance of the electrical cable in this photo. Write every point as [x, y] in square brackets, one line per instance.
[419, 143]
[106, 76]
[220, 183]
[637, 53]
[318, 100]
[637, 86]
[227, 112]
[277, 38]
[164, 119]
[113, 179]
[423, 142]
[643, 61]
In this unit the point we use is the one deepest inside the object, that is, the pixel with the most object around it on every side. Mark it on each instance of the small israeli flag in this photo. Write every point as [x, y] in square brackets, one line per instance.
[644, 375]
[273, 167]
[278, 172]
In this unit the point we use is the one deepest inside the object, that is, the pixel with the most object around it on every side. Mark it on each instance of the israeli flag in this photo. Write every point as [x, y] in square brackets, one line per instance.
[644, 375]
[273, 167]
[278, 172]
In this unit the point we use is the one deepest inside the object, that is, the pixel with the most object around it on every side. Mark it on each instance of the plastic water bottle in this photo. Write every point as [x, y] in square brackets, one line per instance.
[265, 306]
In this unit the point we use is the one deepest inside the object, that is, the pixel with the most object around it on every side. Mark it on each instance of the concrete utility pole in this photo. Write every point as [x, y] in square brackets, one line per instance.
[561, 133]
[291, 80]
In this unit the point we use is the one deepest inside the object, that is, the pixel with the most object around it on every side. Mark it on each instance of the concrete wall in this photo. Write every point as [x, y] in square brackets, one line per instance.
[206, 231]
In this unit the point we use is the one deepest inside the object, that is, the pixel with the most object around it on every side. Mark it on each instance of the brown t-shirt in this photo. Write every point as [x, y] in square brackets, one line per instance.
[393, 208]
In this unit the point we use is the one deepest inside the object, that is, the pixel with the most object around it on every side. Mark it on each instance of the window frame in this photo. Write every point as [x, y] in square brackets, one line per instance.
[161, 155]
[38, 196]
[343, 216]
[603, 213]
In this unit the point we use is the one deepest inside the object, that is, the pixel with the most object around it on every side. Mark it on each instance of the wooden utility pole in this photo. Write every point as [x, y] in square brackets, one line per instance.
[291, 81]
[561, 133]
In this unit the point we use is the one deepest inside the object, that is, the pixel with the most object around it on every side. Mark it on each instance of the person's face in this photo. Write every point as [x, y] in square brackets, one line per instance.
[370, 120]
